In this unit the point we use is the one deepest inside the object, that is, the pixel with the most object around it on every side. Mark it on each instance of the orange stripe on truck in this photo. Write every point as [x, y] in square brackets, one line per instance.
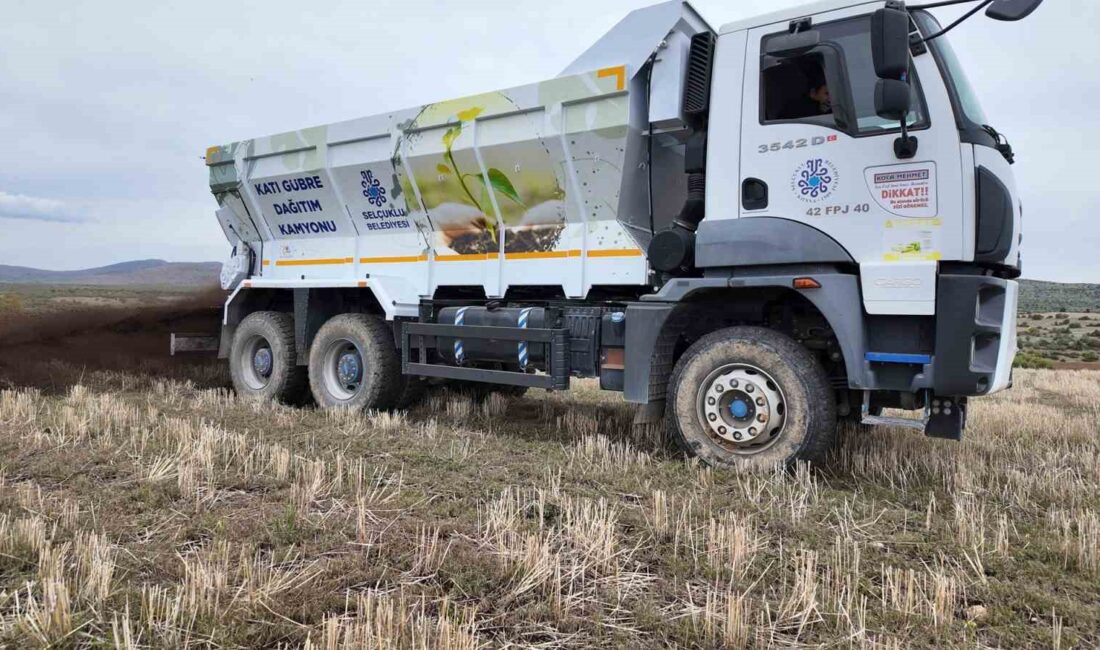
[393, 259]
[461, 258]
[615, 252]
[542, 255]
[619, 72]
[315, 262]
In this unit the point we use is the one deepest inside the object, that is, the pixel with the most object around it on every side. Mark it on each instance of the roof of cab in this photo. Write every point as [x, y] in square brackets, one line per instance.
[791, 13]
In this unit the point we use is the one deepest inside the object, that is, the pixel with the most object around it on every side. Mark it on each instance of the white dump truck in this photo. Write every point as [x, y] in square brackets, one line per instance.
[753, 232]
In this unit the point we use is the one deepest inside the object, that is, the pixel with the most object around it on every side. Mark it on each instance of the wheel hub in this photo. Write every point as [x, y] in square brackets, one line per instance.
[263, 362]
[349, 368]
[741, 404]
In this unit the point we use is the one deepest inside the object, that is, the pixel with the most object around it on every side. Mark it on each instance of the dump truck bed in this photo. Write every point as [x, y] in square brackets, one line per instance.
[547, 184]
[520, 186]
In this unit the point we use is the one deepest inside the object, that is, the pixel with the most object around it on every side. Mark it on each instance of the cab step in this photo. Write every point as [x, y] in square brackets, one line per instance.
[943, 417]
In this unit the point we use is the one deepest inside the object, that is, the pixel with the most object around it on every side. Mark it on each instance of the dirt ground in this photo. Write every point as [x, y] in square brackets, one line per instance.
[143, 505]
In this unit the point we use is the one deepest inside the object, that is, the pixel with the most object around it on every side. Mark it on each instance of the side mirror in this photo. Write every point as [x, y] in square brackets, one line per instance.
[890, 54]
[890, 42]
[892, 103]
[892, 99]
[1011, 10]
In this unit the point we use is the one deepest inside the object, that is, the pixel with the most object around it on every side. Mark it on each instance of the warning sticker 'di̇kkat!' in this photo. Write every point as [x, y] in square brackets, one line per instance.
[904, 190]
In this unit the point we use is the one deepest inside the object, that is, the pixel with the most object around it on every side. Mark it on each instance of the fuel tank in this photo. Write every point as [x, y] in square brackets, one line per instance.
[520, 353]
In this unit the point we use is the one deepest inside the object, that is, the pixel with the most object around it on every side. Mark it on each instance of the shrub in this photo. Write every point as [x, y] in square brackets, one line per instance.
[10, 302]
[1030, 360]
[1090, 357]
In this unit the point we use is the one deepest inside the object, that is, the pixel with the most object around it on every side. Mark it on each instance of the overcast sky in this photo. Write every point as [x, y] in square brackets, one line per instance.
[107, 107]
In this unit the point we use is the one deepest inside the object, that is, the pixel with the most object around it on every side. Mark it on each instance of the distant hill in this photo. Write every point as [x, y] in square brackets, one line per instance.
[1036, 295]
[138, 272]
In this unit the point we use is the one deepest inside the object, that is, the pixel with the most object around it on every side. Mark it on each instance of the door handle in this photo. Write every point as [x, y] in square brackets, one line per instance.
[754, 194]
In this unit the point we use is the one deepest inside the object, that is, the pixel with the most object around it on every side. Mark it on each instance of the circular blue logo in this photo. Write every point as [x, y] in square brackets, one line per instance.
[814, 180]
[372, 189]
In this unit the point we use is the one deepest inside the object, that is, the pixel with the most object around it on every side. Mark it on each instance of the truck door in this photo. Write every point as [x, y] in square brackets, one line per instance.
[813, 150]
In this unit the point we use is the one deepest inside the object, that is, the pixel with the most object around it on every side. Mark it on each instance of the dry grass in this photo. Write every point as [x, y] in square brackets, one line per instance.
[140, 509]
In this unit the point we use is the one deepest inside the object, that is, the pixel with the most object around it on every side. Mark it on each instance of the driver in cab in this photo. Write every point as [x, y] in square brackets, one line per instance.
[815, 100]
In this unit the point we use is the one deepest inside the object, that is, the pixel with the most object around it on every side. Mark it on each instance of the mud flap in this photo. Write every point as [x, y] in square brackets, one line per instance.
[946, 418]
[650, 424]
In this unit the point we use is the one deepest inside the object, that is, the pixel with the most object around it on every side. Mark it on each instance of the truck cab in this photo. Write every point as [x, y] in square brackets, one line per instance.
[924, 221]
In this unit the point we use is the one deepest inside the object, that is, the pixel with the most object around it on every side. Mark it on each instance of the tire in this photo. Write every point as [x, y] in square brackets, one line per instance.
[372, 378]
[263, 360]
[789, 390]
[649, 425]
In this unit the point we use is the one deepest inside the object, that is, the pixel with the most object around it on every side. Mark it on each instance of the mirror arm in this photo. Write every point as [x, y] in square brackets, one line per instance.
[981, 5]
[905, 147]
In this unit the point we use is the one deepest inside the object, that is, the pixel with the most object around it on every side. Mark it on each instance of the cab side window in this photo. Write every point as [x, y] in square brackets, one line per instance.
[796, 89]
[812, 87]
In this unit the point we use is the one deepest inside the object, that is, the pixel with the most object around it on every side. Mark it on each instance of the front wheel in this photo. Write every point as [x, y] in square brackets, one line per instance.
[751, 397]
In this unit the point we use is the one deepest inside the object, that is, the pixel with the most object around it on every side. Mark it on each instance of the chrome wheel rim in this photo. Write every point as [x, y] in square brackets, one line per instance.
[343, 369]
[257, 362]
[742, 407]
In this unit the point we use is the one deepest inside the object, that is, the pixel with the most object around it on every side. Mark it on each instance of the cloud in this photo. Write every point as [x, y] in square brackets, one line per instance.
[33, 208]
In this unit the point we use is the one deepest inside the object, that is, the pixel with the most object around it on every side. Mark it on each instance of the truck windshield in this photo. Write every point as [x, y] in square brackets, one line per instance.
[955, 75]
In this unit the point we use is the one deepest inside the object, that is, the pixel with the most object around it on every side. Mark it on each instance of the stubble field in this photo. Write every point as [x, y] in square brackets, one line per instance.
[143, 505]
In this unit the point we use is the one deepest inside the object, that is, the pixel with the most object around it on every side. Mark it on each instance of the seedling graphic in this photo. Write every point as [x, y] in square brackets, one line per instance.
[497, 180]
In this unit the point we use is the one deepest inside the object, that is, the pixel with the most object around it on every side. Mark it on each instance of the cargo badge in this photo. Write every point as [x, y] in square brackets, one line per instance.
[372, 189]
[814, 180]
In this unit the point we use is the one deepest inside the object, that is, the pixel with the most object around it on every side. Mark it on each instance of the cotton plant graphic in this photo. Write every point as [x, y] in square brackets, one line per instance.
[497, 180]
[815, 178]
[372, 189]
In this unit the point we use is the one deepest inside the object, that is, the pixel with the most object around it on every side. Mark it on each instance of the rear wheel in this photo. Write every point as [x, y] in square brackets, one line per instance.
[263, 361]
[751, 397]
[353, 363]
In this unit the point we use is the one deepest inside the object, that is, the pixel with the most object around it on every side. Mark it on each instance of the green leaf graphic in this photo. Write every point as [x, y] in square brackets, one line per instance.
[451, 135]
[501, 184]
[485, 201]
